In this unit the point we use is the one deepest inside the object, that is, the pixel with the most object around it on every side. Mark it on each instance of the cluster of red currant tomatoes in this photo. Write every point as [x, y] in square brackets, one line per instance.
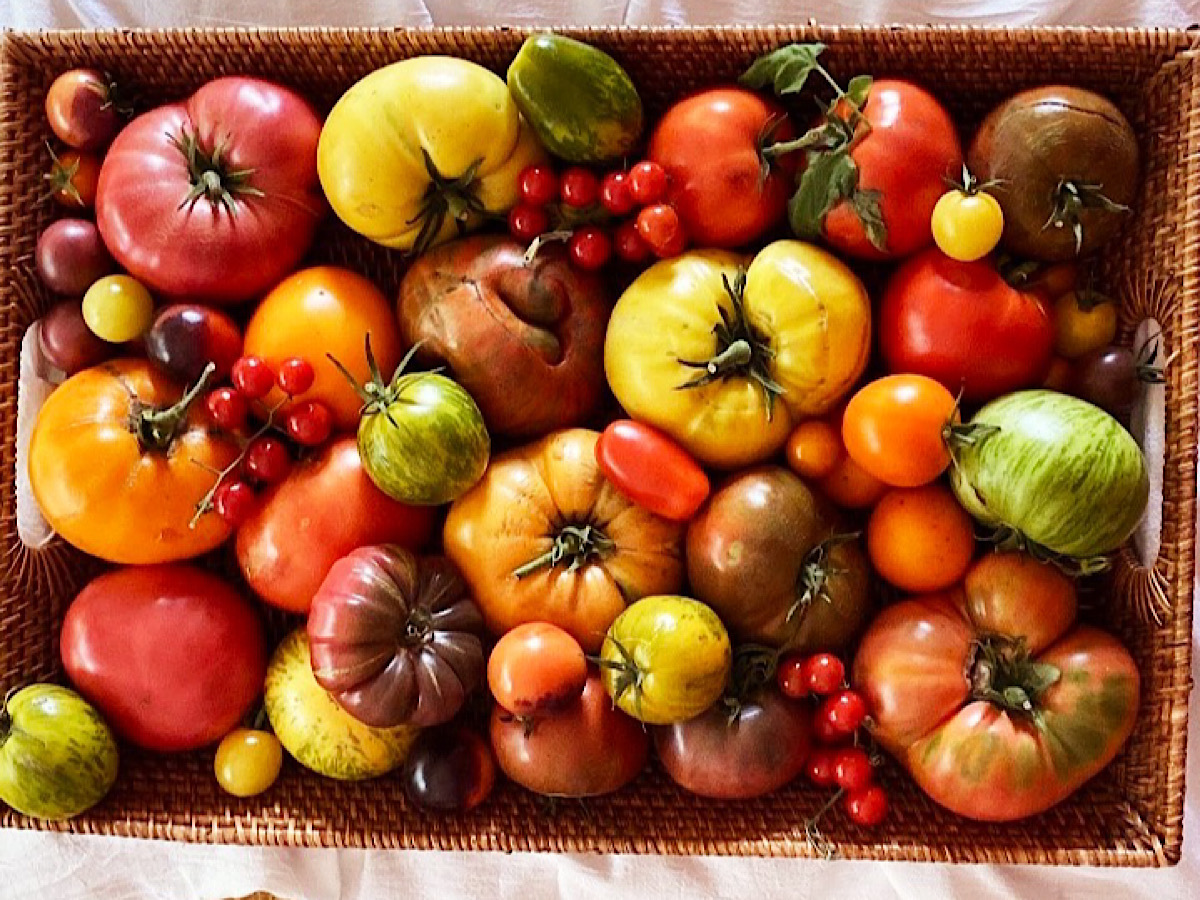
[624, 212]
[266, 456]
[838, 760]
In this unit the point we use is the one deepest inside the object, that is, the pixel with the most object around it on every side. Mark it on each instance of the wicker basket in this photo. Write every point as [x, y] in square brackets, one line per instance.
[1130, 815]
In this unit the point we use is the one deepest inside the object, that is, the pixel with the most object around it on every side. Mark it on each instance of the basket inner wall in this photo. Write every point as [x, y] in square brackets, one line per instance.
[1129, 815]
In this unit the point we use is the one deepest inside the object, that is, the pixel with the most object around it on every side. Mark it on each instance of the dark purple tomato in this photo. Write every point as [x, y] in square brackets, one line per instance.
[1110, 378]
[82, 110]
[450, 768]
[70, 257]
[67, 343]
[185, 338]
[759, 751]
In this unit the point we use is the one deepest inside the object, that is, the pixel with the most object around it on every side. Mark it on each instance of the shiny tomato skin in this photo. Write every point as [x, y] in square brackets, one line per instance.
[583, 750]
[961, 324]
[651, 470]
[536, 668]
[911, 148]
[172, 655]
[893, 428]
[708, 144]
[327, 507]
[152, 228]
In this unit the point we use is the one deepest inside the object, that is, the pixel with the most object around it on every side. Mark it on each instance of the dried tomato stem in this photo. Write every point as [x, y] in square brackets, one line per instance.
[157, 428]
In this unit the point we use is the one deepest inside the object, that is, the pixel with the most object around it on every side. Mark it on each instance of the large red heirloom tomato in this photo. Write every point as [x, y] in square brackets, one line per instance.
[990, 695]
[215, 198]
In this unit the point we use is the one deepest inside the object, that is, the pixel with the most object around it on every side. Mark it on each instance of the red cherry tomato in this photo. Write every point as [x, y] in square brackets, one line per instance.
[820, 766]
[651, 470]
[660, 228]
[268, 460]
[867, 807]
[589, 248]
[295, 376]
[527, 222]
[538, 185]
[235, 502]
[253, 377]
[826, 733]
[228, 408]
[844, 711]
[309, 424]
[823, 673]
[792, 678]
[629, 244]
[579, 188]
[616, 195]
[648, 182]
[852, 768]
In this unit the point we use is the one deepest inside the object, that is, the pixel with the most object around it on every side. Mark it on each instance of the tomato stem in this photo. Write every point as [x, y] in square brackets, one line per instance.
[574, 545]
[210, 176]
[1071, 198]
[156, 429]
[453, 197]
[1000, 671]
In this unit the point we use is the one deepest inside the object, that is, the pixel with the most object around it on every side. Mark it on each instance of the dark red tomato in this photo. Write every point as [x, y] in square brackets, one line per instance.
[326, 507]
[709, 144]
[651, 470]
[82, 110]
[908, 153]
[170, 654]
[70, 256]
[229, 176]
[184, 338]
[963, 325]
[66, 341]
[449, 769]
[585, 749]
[759, 751]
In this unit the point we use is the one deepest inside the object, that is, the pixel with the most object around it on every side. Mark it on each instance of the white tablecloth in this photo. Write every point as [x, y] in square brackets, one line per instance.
[63, 867]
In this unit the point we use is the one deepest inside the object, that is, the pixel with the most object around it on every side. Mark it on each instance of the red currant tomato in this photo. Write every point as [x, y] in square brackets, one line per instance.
[660, 228]
[234, 502]
[790, 675]
[852, 768]
[268, 460]
[579, 187]
[309, 423]
[228, 408]
[295, 376]
[648, 183]
[867, 806]
[615, 194]
[590, 248]
[824, 673]
[539, 185]
[826, 733]
[844, 711]
[820, 766]
[629, 244]
[253, 377]
[527, 222]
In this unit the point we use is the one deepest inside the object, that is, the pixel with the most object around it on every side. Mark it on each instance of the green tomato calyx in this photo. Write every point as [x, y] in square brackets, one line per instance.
[377, 394]
[1001, 671]
[630, 676]
[210, 175]
[1071, 198]
[574, 546]
[741, 350]
[157, 428]
[815, 573]
[453, 197]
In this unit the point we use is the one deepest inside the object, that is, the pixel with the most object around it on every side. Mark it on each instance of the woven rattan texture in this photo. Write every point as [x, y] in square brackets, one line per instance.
[1130, 815]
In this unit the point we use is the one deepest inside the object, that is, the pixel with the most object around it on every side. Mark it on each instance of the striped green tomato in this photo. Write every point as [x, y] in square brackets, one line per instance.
[1057, 471]
[58, 757]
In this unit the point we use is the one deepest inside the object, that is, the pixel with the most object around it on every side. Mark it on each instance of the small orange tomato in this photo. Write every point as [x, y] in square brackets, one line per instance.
[120, 459]
[814, 448]
[1058, 376]
[850, 486]
[920, 539]
[536, 668]
[73, 178]
[321, 312]
[893, 428]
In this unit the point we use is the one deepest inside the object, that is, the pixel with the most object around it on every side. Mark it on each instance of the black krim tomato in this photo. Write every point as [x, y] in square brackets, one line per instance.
[1064, 166]
[70, 256]
[185, 337]
[449, 769]
[66, 341]
[1112, 378]
[738, 750]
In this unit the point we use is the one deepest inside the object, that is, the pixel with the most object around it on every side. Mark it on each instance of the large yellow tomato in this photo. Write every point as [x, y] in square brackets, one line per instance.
[418, 151]
[727, 354]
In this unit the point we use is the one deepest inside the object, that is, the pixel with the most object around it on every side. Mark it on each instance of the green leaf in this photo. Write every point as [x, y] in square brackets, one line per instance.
[858, 89]
[865, 204]
[787, 68]
[828, 178]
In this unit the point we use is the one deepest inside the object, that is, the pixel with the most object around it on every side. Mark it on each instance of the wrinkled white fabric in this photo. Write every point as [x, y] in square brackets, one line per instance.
[66, 867]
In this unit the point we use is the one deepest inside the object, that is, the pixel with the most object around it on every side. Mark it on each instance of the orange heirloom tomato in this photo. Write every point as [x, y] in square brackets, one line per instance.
[996, 703]
[893, 427]
[544, 537]
[119, 460]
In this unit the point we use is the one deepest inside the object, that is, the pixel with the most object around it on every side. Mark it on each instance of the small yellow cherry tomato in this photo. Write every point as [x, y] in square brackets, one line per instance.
[118, 308]
[1083, 323]
[248, 761]
[967, 226]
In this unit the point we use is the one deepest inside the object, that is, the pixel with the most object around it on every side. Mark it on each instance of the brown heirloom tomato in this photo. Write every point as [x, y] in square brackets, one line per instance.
[990, 696]
[396, 638]
[527, 340]
[119, 461]
[765, 553]
[543, 537]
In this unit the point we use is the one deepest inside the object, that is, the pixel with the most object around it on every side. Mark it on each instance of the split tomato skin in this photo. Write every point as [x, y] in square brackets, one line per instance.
[651, 470]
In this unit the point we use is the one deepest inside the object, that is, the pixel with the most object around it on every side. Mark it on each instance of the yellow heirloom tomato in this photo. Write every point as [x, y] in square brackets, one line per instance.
[419, 151]
[728, 354]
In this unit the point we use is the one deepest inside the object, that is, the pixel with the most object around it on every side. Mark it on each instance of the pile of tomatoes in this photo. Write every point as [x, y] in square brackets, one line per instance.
[634, 463]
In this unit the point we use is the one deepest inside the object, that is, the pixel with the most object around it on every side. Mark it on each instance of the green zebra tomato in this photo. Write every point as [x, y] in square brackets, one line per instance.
[58, 757]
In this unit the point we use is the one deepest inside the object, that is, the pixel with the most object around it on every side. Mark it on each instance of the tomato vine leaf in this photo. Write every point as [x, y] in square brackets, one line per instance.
[865, 203]
[786, 69]
[828, 178]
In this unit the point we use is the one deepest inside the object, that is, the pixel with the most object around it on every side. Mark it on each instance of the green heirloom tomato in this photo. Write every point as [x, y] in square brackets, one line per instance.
[58, 757]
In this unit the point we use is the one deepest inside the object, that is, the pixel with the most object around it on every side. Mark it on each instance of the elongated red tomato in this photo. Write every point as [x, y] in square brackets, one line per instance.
[651, 470]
